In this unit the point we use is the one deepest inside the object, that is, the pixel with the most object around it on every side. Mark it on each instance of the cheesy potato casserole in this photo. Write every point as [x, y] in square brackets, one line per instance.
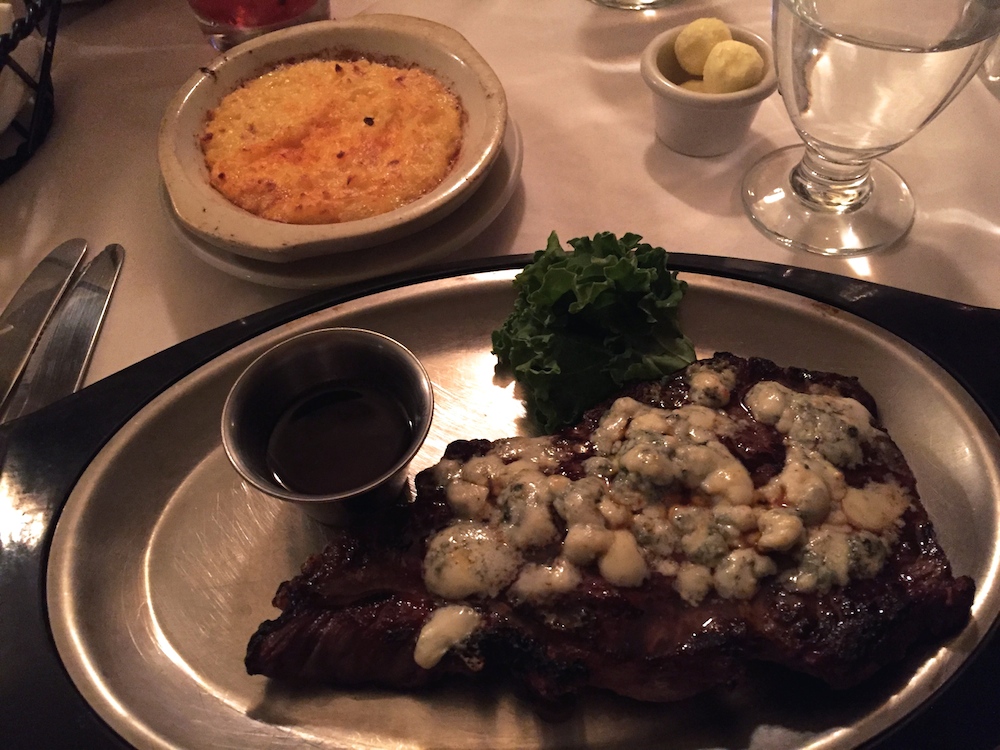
[326, 141]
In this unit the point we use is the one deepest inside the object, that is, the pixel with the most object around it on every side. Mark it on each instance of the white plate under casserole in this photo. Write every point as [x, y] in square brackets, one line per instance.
[397, 39]
[163, 562]
[435, 242]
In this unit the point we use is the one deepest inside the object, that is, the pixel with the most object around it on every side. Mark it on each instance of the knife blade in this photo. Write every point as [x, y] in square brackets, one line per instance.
[25, 316]
[59, 363]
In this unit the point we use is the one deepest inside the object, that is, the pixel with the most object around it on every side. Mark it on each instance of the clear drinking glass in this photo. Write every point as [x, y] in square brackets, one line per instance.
[859, 78]
[227, 23]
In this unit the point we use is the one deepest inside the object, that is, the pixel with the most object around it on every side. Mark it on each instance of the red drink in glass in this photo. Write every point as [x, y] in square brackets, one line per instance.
[249, 14]
[229, 22]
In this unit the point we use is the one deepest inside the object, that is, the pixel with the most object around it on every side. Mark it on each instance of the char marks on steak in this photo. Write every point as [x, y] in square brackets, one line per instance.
[353, 615]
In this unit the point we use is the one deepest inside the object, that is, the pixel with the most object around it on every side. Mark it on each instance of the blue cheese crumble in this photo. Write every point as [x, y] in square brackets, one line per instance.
[662, 495]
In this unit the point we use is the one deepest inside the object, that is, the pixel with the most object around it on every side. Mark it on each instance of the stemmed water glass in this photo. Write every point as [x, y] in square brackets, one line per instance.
[859, 78]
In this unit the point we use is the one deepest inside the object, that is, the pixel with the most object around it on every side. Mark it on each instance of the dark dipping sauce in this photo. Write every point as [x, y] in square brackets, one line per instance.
[336, 437]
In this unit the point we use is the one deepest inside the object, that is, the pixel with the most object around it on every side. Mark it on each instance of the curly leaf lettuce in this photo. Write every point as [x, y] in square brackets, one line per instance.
[586, 322]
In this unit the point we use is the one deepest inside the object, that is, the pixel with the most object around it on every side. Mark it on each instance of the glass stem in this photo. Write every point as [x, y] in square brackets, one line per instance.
[829, 185]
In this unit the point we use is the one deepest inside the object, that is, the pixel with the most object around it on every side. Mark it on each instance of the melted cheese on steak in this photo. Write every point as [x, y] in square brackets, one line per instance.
[661, 494]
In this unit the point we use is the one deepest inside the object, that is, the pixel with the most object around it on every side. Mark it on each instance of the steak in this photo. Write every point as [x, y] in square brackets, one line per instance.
[736, 512]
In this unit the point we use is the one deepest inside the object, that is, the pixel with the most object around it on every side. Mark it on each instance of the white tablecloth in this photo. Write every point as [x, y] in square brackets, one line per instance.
[591, 161]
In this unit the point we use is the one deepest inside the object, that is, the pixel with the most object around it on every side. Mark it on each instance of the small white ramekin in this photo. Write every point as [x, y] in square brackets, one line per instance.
[695, 123]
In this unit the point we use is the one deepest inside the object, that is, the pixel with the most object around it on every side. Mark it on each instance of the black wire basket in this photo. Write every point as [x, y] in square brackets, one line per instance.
[32, 124]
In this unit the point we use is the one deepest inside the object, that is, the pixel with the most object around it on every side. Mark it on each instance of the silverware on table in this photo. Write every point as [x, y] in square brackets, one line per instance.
[21, 323]
[49, 329]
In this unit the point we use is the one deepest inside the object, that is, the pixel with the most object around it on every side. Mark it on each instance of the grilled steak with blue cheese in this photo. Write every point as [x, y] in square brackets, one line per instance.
[736, 512]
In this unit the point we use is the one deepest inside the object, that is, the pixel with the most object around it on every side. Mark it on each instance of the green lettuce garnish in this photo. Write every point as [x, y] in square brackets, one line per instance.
[588, 321]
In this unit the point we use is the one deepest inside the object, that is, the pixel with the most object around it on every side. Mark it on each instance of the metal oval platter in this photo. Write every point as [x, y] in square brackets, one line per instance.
[163, 562]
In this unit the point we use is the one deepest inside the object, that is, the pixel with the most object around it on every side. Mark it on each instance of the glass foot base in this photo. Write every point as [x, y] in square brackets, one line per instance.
[633, 4]
[781, 214]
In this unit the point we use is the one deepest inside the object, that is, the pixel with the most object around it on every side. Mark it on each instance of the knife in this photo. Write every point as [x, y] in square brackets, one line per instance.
[60, 360]
[22, 321]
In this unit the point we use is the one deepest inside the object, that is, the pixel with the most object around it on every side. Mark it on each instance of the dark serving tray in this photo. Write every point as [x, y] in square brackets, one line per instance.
[45, 453]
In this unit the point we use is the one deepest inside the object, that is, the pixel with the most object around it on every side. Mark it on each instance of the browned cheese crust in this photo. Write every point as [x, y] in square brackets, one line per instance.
[326, 141]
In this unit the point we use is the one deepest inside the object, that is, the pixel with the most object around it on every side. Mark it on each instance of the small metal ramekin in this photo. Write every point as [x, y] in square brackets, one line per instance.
[281, 375]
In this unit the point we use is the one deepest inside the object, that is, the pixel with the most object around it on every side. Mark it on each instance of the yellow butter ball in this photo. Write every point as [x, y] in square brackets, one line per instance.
[732, 66]
[696, 40]
[695, 84]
